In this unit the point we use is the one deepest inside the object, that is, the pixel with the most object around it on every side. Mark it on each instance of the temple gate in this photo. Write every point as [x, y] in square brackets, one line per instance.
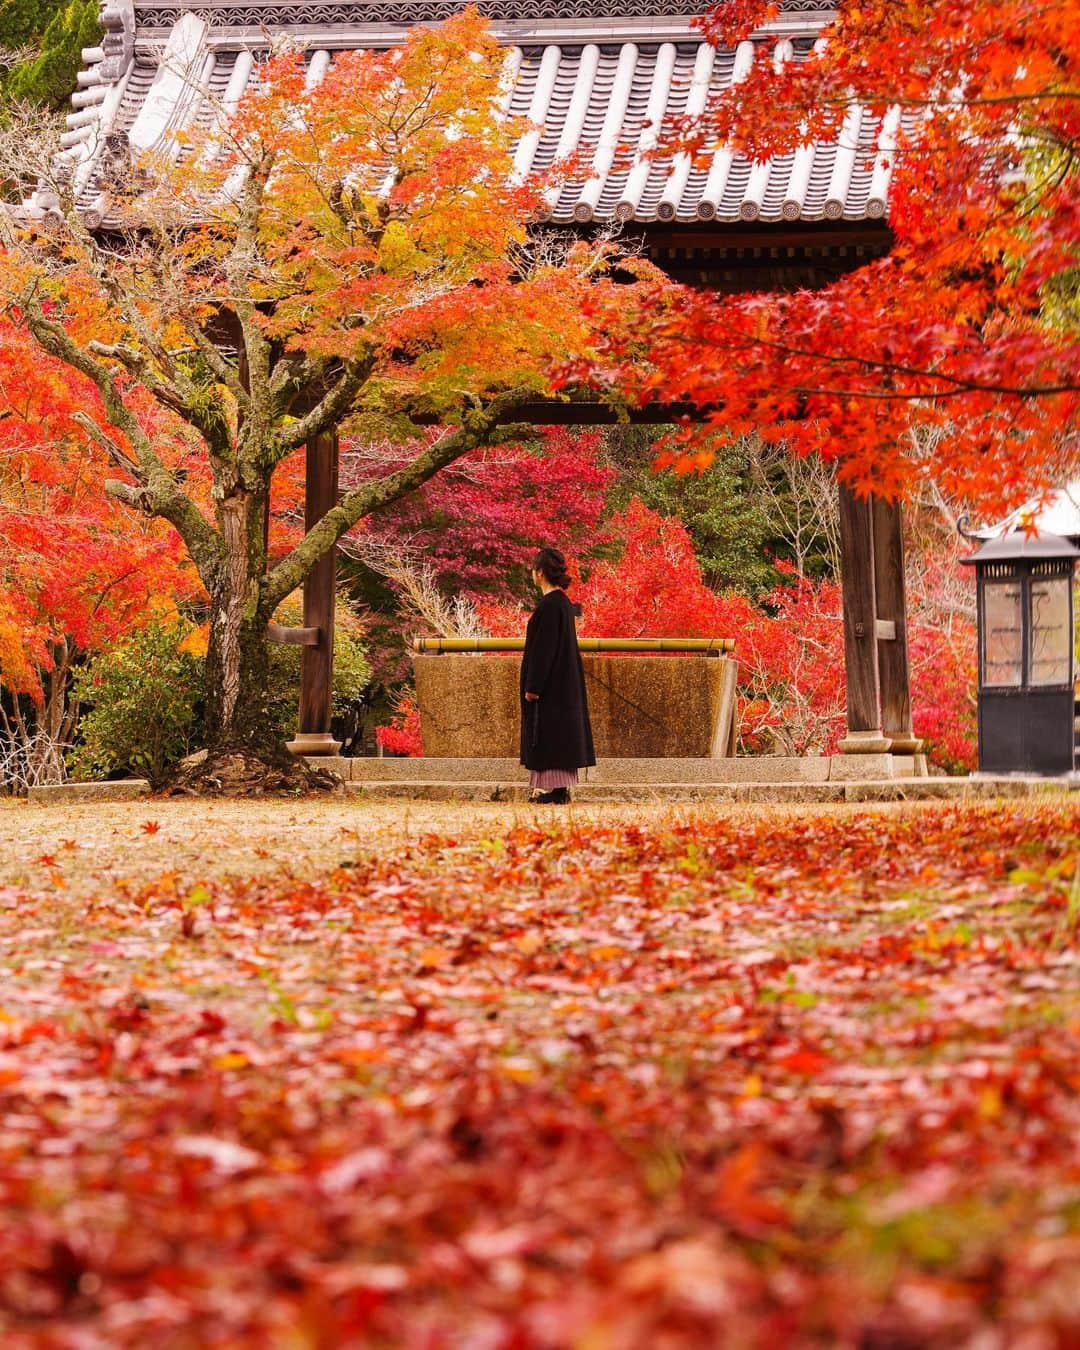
[590, 76]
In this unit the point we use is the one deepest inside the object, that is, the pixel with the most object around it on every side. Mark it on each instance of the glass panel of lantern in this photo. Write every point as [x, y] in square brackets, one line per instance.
[1002, 633]
[1050, 656]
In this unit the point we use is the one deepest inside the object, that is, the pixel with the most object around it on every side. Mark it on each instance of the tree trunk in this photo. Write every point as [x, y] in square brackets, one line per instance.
[238, 659]
[238, 688]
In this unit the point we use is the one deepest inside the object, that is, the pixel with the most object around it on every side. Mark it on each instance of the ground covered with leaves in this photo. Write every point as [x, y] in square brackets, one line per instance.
[724, 1080]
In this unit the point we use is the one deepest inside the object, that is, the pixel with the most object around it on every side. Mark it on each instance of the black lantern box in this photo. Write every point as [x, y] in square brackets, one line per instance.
[1026, 658]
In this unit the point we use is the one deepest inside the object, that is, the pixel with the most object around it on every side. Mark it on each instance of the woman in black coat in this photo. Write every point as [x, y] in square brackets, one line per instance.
[556, 738]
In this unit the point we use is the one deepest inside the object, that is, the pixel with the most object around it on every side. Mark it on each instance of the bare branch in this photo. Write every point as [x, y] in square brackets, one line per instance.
[165, 498]
[418, 591]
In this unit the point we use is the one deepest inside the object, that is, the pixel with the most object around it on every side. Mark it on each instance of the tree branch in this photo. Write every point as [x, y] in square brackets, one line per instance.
[331, 408]
[479, 426]
[208, 421]
[114, 451]
[224, 372]
[290, 374]
[160, 494]
[239, 266]
[957, 384]
[96, 261]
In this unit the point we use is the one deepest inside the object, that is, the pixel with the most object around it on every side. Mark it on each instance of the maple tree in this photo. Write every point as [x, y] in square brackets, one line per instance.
[756, 1080]
[477, 522]
[401, 735]
[647, 582]
[968, 324]
[350, 253]
[74, 573]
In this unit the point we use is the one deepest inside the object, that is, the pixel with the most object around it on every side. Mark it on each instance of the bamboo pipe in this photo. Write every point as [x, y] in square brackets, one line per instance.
[706, 646]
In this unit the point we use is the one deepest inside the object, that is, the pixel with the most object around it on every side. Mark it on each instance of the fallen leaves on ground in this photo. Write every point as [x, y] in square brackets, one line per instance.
[731, 1081]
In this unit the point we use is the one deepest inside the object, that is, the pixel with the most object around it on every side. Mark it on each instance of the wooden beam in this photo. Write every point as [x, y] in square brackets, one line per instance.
[586, 413]
[575, 413]
[727, 244]
[688, 646]
[293, 637]
[889, 595]
[317, 660]
[860, 625]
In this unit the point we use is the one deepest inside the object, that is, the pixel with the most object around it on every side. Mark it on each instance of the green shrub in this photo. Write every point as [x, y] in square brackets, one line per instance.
[21, 21]
[144, 700]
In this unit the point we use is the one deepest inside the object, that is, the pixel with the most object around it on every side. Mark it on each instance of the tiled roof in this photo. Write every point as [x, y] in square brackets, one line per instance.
[600, 92]
[594, 98]
[349, 17]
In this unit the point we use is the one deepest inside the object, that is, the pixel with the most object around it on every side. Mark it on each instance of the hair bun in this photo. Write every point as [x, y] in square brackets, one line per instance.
[552, 564]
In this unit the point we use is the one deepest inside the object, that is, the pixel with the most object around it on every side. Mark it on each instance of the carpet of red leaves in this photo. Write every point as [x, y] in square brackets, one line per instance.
[800, 1080]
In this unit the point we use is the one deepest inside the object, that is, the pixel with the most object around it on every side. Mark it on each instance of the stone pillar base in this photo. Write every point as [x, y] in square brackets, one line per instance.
[865, 743]
[314, 743]
[904, 743]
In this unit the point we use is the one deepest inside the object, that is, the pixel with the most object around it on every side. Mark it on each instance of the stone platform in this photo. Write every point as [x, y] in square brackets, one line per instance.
[771, 779]
[643, 772]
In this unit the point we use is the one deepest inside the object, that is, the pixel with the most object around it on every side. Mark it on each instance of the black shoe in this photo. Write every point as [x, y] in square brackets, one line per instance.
[556, 797]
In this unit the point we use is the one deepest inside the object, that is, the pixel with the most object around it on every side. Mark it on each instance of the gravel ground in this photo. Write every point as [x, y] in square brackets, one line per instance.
[84, 845]
[87, 844]
[218, 839]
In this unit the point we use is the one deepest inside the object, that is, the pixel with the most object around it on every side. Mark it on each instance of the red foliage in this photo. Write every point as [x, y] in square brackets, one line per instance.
[654, 588]
[479, 520]
[76, 571]
[402, 735]
[956, 327]
[944, 675]
[791, 668]
[755, 1081]
[943, 651]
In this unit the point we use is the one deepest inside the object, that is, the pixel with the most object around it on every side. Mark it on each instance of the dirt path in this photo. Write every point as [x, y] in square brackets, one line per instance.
[140, 840]
[86, 846]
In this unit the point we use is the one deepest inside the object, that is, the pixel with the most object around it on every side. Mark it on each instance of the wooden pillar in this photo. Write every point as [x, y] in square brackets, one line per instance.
[317, 660]
[891, 605]
[864, 731]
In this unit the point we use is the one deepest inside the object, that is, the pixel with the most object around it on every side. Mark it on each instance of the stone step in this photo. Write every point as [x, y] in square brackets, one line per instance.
[883, 790]
[772, 769]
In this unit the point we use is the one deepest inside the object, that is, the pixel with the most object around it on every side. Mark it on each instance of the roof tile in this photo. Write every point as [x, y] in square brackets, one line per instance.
[601, 101]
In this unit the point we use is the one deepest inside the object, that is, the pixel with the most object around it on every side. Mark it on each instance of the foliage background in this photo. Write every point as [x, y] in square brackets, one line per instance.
[143, 697]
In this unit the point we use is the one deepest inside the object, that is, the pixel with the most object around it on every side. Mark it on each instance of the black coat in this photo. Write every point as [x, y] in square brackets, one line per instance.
[555, 730]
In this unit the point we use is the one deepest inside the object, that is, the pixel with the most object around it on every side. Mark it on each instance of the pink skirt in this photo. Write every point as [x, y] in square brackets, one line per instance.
[547, 779]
